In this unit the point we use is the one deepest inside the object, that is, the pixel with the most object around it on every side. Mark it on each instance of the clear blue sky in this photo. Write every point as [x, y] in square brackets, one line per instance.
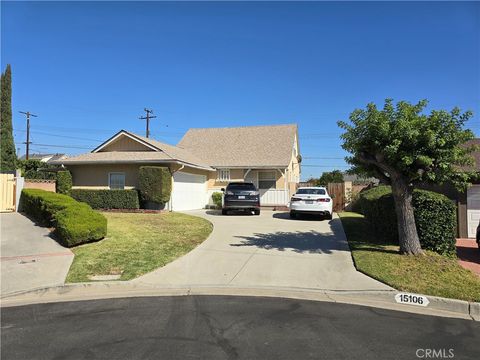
[89, 69]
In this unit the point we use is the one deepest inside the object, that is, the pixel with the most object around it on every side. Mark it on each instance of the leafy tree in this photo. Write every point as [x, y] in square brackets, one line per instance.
[8, 156]
[335, 176]
[402, 146]
[36, 169]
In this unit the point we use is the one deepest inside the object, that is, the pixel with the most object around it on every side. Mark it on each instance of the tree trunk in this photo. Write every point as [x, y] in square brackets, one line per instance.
[407, 230]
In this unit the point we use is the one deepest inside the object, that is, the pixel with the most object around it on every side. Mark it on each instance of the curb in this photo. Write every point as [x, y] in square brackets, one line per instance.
[437, 306]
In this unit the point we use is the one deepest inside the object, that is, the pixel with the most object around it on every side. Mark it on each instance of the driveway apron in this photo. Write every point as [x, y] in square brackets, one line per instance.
[30, 258]
[270, 250]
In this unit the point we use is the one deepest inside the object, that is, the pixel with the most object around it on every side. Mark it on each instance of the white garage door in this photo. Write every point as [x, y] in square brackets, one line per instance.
[473, 209]
[189, 191]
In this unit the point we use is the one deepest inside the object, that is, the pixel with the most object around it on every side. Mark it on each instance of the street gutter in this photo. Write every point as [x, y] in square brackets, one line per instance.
[437, 306]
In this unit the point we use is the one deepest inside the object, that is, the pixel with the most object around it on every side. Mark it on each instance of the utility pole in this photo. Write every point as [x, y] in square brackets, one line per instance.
[28, 142]
[148, 117]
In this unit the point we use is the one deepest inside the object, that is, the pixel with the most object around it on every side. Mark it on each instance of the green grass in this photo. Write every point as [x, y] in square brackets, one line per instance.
[138, 243]
[429, 274]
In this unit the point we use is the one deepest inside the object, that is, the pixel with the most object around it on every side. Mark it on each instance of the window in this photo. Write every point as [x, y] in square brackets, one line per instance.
[267, 180]
[116, 181]
[223, 175]
[241, 187]
[311, 191]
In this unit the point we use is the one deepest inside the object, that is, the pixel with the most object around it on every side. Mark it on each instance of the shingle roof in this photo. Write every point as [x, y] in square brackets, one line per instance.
[249, 146]
[163, 152]
[252, 146]
[117, 157]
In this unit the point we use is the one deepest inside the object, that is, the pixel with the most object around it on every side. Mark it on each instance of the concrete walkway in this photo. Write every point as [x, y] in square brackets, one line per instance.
[30, 258]
[269, 250]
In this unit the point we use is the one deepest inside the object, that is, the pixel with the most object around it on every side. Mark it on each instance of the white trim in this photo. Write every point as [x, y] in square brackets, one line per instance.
[123, 132]
[223, 175]
[136, 162]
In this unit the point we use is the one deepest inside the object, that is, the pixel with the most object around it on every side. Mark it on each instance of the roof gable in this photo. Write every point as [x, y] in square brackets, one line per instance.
[124, 141]
[249, 146]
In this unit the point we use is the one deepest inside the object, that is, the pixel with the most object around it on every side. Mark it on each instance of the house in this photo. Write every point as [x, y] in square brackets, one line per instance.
[468, 202]
[204, 161]
[46, 158]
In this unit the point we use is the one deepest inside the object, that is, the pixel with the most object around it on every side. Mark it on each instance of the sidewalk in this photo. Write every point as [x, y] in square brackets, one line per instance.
[30, 258]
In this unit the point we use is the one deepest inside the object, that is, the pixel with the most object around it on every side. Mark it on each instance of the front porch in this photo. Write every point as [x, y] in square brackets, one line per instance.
[273, 184]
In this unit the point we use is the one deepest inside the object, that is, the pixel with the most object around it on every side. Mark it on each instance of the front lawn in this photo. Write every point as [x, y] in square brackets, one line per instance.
[138, 243]
[429, 274]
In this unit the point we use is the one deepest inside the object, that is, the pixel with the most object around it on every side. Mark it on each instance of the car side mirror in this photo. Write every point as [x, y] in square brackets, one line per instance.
[222, 189]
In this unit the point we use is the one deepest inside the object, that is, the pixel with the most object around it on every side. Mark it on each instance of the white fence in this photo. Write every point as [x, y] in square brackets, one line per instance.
[273, 197]
[267, 197]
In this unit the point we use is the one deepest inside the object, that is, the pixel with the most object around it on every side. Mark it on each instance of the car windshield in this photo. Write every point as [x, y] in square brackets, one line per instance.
[241, 187]
[311, 191]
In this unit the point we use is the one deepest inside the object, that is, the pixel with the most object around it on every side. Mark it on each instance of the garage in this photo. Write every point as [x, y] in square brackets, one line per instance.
[189, 191]
[473, 209]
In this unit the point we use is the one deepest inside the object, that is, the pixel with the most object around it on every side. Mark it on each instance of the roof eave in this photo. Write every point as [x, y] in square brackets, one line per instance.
[100, 162]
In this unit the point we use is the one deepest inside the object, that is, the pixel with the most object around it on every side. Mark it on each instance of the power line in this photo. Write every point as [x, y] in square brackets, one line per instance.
[322, 158]
[61, 136]
[63, 146]
[329, 166]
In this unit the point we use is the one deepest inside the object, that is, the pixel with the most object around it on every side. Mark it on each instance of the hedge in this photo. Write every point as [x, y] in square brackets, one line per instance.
[75, 223]
[107, 199]
[64, 182]
[155, 184]
[435, 218]
[217, 199]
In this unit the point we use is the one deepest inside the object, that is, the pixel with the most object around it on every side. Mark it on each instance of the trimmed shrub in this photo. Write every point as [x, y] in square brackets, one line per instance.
[155, 184]
[42, 205]
[107, 199]
[217, 199]
[64, 182]
[75, 223]
[435, 218]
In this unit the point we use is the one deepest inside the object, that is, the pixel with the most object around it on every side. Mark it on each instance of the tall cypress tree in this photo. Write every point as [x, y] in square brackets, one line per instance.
[8, 156]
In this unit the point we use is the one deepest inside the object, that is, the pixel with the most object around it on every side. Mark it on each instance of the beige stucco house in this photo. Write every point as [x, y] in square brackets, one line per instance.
[204, 161]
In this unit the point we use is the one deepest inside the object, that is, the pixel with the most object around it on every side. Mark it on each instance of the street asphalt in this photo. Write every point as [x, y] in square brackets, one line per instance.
[220, 327]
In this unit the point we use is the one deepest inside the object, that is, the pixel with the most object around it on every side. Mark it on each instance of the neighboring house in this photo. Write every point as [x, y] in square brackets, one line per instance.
[468, 202]
[47, 158]
[204, 161]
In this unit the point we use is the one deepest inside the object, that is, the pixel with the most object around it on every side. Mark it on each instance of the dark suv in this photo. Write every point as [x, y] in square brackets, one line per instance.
[241, 196]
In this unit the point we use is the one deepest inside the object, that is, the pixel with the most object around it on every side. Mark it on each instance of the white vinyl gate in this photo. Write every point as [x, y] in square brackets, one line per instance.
[189, 191]
[473, 209]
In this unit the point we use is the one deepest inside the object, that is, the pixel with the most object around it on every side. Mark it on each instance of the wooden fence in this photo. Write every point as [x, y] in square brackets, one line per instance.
[7, 192]
[337, 193]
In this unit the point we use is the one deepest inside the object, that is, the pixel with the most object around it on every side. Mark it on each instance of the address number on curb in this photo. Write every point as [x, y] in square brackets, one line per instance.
[411, 299]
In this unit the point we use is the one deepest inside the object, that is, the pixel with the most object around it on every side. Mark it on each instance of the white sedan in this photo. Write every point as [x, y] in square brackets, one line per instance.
[311, 200]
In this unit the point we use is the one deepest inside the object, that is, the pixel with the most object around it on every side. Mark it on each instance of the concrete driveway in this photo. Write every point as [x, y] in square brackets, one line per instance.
[30, 258]
[269, 250]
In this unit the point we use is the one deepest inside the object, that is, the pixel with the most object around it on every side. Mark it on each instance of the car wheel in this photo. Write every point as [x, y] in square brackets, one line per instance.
[257, 212]
[224, 212]
[292, 215]
[329, 217]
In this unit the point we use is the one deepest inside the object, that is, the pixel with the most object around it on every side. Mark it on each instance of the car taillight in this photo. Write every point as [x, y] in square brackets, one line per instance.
[324, 200]
[295, 199]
